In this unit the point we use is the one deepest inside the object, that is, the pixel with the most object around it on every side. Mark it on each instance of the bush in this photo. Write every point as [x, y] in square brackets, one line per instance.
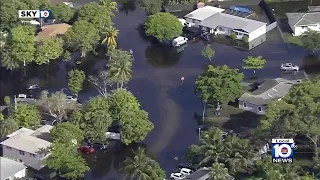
[233, 36]
[245, 39]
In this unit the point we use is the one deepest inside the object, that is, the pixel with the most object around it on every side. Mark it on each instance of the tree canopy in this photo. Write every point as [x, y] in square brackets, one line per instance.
[48, 49]
[82, 36]
[67, 133]
[26, 115]
[151, 7]
[311, 41]
[208, 52]
[163, 26]
[219, 84]
[76, 79]
[297, 113]
[254, 63]
[62, 12]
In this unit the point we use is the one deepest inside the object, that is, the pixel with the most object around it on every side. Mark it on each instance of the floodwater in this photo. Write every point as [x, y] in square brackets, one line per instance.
[156, 83]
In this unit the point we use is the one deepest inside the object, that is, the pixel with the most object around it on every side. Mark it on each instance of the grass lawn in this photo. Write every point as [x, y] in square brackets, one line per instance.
[295, 40]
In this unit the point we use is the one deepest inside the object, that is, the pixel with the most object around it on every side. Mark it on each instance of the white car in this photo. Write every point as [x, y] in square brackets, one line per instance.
[184, 22]
[289, 67]
[177, 176]
[185, 171]
[179, 41]
[72, 98]
[22, 96]
[33, 87]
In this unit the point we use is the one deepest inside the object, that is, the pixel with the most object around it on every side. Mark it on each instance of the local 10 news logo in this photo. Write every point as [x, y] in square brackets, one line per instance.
[282, 150]
[29, 14]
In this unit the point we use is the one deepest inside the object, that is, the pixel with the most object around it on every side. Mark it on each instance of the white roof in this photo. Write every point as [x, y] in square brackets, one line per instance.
[27, 140]
[9, 167]
[203, 13]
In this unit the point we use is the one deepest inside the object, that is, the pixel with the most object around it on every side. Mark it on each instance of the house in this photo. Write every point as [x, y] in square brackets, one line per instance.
[220, 21]
[28, 146]
[302, 22]
[201, 174]
[270, 90]
[10, 170]
[52, 30]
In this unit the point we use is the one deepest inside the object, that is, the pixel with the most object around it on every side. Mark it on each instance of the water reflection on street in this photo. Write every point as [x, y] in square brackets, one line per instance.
[156, 83]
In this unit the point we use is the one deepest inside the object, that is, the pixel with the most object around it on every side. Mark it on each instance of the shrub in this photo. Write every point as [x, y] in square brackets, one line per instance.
[233, 36]
[245, 39]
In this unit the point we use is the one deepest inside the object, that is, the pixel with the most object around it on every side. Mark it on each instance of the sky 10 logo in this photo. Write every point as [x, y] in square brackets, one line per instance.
[282, 150]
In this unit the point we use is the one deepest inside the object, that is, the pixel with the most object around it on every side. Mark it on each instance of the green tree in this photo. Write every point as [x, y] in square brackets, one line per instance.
[254, 63]
[151, 7]
[48, 49]
[67, 56]
[163, 26]
[219, 85]
[8, 126]
[7, 100]
[208, 52]
[23, 46]
[76, 118]
[97, 118]
[140, 166]
[297, 113]
[219, 172]
[111, 34]
[102, 82]
[62, 12]
[83, 36]
[98, 14]
[67, 133]
[55, 105]
[65, 160]
[120, 66]
[1, 116]
[311, 41]
[134, 122]
[8, 61]
[26, 115]
[75, 80]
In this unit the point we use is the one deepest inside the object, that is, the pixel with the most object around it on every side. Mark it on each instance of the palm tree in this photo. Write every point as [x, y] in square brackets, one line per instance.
[109, 6]
[219, 172]
[111, 35]
[120, 67]
[139, 167]
[211, 145]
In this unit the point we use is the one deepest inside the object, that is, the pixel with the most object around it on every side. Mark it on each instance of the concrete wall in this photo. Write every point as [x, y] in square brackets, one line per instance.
[252, 107]
[257, 33]
[272, 26]
[29, 160]
[298, 31]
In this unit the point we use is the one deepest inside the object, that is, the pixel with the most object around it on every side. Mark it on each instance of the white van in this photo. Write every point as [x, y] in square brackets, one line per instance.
[177, 42]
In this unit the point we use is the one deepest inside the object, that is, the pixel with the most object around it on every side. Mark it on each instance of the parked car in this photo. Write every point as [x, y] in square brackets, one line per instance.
[188, 166]
[22, 96]
[33, 87]
[184, 22]
[86, 149]
[176, 176]
[186, 171]
[100, 146]
[179, 41]
[72, 98]
[193, 35]
[289, 67]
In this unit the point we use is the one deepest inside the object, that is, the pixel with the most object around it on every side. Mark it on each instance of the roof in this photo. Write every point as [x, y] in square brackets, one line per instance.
[200, 174]
[303, 19]
[268, 91]
[230, 21]
[28, 140]
[314, 8]
[52, 30]
[9, 167]
[203, 13]
[43, 132]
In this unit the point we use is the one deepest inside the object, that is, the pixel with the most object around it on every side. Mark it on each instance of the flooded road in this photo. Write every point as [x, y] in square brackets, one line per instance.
[156, 83]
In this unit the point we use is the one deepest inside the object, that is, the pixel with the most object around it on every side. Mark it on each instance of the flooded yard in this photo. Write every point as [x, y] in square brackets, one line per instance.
[156, 83]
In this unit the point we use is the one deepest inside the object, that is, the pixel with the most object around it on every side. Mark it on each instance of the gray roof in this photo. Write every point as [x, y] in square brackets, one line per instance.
[268, 91]
[230, 21]
[200, 174]
[303, 19]
[314, 8]
[28, 140]
[203, 13]
[9, 167]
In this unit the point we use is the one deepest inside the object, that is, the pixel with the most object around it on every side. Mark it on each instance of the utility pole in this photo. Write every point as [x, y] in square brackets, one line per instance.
[15, 102]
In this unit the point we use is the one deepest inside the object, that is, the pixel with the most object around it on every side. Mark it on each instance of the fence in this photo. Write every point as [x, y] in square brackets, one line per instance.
[272, 26]
[267, 11]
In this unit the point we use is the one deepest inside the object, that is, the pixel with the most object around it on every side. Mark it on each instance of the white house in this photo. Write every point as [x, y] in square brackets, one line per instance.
[28, 146]
[215, 21]
[10, 170]
[302, 22]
